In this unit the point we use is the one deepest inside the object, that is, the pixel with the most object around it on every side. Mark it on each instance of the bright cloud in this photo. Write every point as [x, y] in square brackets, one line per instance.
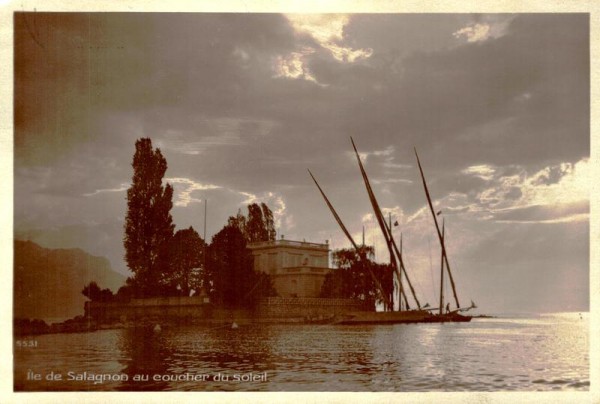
[485, 172]
[328, 31]
[121, 188]
[572, 185]
[474, 33]
[183, 188]
[387, 154]
[553, 186]
[490, 26]
[322, 27]
[294, 66]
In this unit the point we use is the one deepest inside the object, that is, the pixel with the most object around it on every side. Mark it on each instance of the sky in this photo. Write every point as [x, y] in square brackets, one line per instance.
[241, 105]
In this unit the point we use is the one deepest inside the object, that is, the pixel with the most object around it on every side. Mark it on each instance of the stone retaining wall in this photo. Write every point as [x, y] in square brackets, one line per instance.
[282, 307]
[195, 309]
[179, 309]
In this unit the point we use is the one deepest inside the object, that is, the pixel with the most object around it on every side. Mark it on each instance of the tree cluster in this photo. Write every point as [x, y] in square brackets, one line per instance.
[352, 277]
[95, 294]
[230, 277]
[169, 263]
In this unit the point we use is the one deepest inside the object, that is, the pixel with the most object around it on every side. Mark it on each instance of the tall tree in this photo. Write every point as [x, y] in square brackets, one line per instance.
[269, 222]
[187, 254]
[148, 226]
[258, 226]
[255, 226]
[239, 221]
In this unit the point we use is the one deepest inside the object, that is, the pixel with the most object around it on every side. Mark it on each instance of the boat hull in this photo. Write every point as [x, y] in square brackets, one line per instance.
[400, 317]
[449, 318]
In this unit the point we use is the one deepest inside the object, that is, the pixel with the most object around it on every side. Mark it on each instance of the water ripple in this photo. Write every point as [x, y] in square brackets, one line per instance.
[542, 353]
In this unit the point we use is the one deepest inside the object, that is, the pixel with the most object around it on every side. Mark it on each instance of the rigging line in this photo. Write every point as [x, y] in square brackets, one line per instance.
[431, 267]
[416, 279]
[442, 270]
[402, 267]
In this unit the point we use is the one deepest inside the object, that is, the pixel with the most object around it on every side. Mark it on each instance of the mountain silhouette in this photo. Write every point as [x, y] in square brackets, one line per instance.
[48, 282]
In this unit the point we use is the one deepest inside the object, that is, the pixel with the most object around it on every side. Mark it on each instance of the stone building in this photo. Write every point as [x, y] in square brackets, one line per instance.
[297, 268]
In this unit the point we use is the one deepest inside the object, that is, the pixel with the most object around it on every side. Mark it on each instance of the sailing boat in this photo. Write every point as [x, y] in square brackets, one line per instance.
[418, 315]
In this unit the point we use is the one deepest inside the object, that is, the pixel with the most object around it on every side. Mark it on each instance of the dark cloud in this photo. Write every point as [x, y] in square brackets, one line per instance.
[514, 193]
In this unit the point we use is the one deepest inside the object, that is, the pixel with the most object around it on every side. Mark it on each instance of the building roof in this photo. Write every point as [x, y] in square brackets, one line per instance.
[288, 243]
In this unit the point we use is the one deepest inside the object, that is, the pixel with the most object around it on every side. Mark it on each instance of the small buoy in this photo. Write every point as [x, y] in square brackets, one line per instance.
[234, 325]
[157, 328]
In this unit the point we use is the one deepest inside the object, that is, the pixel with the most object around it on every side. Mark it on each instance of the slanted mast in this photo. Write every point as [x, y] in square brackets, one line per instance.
[378, 216]
[442, 272]
[386, 230]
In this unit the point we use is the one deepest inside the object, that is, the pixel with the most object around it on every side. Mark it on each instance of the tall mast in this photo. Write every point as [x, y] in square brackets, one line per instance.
[400, 279]
[442, 272]
[363, 238]
[205, 207]
[437, 227]
[205, 243]
[377, 211]
[361, 255]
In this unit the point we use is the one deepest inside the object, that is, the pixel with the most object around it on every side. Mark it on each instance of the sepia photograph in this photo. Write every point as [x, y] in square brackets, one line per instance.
[301, 202]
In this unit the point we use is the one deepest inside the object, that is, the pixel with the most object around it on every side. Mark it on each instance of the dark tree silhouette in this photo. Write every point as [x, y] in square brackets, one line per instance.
[269, 222]
[148, 225]
[352, 280]
[186, 252]
[125, 293]
[255, 226]
[229, 267]
[93, 292]
[229, 278]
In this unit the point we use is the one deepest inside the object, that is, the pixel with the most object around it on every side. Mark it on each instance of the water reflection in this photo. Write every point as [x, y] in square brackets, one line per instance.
[213, 357]
[145, 353]
[484, 355]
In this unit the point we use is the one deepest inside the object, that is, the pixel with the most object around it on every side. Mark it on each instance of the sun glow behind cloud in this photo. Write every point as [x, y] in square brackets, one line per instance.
[474, 33]
[484, 28]
[561, 184]
[555, 194]
[293, 66]
[327, 30]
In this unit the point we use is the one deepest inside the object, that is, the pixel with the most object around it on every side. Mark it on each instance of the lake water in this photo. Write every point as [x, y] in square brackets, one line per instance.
[526, 353]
